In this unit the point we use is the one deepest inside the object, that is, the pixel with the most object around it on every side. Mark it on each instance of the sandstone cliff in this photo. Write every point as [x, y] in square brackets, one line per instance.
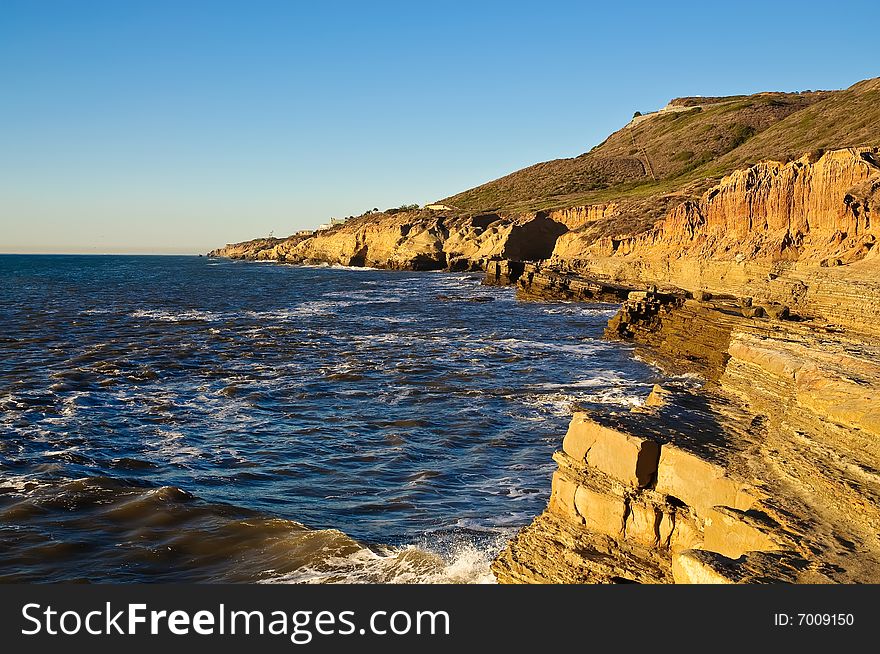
[769, 288]
[801, 233]
[766, 474]
[419, 240]
[755, 269]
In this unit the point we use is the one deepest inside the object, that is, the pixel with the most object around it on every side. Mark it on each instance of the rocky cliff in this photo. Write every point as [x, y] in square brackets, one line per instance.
[756, 270]
[801, 233]
[767, 286]
[417, 240]
[767, 473]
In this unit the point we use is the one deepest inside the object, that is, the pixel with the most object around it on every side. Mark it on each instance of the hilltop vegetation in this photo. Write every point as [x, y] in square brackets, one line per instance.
[687, 148]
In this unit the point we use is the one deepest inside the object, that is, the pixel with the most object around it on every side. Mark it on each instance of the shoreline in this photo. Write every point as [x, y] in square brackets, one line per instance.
[758, 476]
[766, 285]
[675, 491]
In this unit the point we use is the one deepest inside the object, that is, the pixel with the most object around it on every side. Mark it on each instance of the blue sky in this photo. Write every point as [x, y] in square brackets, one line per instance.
[179, 126]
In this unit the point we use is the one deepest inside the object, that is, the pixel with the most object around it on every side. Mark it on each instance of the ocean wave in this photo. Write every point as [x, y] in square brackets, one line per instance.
[584, 349]
[174, 448]
[364, 297]
[394, 320]
[339, 266]
[580, 310]
[463, 564]
[220, 542]
[561, 403]
[270, 389]
[165, 315]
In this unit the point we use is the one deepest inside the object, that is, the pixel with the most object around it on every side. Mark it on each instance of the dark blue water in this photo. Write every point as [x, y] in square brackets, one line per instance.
[184, 418]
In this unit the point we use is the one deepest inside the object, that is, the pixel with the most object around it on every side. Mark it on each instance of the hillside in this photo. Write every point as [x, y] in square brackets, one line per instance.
[652, 182]
[742, 232]
[687, 147]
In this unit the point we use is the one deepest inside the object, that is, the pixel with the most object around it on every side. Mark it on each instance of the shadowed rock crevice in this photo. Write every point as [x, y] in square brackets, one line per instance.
[534, 240]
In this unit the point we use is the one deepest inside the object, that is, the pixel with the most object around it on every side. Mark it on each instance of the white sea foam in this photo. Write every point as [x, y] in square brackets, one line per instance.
[69, 404]
[603, 389]
[305, 309]
[462, 564]
[172, 447]
[575, 310]
[363, 297]
[394, 320]
[580, 349]
[339, 266]
[178, 316]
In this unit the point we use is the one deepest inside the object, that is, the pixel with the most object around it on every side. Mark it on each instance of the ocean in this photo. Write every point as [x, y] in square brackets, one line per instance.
[191, 419]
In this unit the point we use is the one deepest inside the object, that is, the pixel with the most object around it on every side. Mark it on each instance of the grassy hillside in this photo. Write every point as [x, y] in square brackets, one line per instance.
[686, 148]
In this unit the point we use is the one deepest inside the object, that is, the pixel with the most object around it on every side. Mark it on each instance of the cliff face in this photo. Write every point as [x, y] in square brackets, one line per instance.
[762, 276]
[414, 241]
[804, 210]
[798, 233]
[767, 474]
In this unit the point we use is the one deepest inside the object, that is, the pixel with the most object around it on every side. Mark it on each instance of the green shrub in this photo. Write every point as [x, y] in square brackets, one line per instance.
[740, 134]
[402, 208]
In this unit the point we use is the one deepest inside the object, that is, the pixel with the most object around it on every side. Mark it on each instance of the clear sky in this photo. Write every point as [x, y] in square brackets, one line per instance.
[160, 126]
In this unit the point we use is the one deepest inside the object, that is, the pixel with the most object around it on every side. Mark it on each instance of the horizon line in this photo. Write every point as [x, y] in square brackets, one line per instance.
[105, 254]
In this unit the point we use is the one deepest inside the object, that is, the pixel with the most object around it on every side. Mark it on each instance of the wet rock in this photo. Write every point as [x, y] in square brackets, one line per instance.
[657, 397]
[503, 273]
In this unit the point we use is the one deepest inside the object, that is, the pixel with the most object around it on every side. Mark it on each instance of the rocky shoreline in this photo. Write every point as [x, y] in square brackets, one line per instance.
[766, 473]
[765, 286]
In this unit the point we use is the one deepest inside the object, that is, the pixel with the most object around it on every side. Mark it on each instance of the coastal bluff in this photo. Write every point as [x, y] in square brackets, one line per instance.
[765, 470]
[765, 290]
[760, 470]
[801, 234]
[740, 239]
[412, 240]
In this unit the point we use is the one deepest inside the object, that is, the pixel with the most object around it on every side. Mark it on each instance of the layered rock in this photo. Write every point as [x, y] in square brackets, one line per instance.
[630, 502]
[414, 241]
[767, 474]
[536, 282]
[575, 217]
[802, 234]
[799, 234]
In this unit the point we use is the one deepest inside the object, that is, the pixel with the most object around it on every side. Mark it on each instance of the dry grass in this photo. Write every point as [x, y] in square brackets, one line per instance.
[686, 152]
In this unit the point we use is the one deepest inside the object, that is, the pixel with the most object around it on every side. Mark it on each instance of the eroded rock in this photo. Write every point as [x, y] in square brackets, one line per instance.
[699, 483]
[624, 456]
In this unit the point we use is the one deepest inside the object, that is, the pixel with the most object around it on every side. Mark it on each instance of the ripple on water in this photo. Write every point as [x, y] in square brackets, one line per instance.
[189, 419]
